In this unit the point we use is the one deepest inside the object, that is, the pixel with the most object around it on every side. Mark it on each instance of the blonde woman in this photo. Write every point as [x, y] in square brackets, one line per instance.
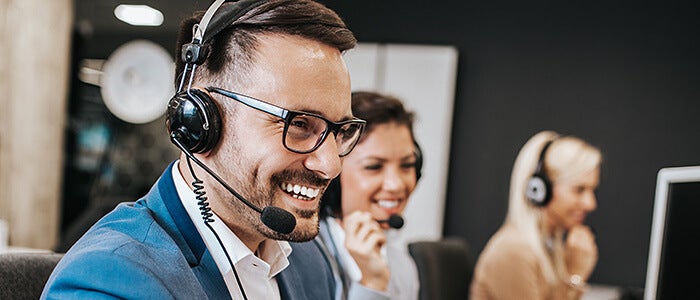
[544, 250]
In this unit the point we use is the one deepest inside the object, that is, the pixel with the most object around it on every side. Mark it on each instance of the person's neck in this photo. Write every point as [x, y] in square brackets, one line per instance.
[250, 237]
[253, 240]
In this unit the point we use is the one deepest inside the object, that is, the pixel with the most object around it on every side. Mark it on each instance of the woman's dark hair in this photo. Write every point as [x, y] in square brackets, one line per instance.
[376, 109]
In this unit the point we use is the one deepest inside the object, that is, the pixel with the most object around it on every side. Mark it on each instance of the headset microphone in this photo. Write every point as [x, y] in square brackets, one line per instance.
[394, 221]
[273, 217]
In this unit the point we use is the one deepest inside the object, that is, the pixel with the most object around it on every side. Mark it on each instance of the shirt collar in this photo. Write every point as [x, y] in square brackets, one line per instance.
[271, 252]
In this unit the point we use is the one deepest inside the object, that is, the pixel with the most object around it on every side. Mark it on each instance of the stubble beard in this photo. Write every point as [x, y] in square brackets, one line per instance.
[261, 195]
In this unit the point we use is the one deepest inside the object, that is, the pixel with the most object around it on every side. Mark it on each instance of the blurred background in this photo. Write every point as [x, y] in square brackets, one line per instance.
[623, 75]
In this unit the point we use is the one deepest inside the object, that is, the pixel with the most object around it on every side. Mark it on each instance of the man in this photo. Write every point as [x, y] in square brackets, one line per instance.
[262, 116]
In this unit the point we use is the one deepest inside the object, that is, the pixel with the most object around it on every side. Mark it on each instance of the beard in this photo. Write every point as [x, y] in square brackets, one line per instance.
[261, 196]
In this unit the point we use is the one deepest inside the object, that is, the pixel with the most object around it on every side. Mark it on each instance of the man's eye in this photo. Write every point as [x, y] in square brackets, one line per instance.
[299, 123]
[347, 132]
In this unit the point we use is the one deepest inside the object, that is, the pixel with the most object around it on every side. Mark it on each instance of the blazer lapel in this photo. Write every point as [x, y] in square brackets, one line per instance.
[288, 285]
[169, 212]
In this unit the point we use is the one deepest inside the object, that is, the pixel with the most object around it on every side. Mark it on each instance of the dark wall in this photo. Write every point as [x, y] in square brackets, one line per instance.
[623, 76]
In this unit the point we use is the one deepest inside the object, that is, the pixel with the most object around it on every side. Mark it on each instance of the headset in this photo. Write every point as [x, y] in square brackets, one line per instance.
[539, 186]
[330, 201]
[192, 114]
[194, 122]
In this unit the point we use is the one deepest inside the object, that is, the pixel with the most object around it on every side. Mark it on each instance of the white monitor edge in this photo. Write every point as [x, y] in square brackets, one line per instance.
[665, 177]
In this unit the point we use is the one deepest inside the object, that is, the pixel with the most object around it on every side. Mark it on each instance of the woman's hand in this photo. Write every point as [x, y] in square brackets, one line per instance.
[364, 239]
[581, 251]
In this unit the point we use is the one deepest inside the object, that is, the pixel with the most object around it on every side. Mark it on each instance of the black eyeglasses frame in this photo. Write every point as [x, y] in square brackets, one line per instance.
[288, 115]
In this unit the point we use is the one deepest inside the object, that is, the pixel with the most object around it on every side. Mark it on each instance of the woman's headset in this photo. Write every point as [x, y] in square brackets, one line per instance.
[539, 186]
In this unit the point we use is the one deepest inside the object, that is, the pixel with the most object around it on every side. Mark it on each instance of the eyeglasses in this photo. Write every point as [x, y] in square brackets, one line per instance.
[304, 132]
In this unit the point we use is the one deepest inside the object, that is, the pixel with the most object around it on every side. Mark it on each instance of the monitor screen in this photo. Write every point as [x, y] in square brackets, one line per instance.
[673, 259]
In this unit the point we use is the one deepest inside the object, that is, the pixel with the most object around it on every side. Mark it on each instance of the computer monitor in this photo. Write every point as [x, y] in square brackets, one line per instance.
[674, 260]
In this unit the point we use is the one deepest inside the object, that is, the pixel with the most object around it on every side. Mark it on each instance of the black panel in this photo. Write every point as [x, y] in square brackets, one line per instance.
[621, 74]
[679, 258]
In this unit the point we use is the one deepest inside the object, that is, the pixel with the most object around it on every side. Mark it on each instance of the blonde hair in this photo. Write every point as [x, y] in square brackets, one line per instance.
[567, 158]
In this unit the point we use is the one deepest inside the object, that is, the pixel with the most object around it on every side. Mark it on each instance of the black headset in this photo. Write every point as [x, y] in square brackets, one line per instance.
[192, 114]
[330, 201]
[539, 186]
[194, 122]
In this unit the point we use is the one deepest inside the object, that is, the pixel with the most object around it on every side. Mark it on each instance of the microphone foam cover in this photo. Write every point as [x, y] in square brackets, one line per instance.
[395, 221]
[279, 219]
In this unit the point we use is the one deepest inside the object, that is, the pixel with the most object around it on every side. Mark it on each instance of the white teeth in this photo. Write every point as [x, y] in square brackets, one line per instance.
[299, 190]
[388, 203]
[311, 193]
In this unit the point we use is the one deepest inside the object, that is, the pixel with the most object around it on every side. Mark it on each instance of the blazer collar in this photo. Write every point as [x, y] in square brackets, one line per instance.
[180, 226]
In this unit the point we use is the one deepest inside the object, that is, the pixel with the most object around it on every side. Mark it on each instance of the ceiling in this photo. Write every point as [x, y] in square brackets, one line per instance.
[100, 33]
[95, 17]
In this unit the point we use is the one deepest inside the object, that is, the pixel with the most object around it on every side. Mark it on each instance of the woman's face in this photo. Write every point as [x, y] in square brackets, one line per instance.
[572, 200]
[379, 175]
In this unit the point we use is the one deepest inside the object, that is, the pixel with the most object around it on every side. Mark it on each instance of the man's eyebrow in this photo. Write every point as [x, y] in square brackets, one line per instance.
[316, 112]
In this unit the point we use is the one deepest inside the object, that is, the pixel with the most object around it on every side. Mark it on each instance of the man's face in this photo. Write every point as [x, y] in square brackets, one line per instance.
[296, 74]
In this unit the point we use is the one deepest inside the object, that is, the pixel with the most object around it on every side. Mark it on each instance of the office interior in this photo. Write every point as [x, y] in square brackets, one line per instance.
[623, 75]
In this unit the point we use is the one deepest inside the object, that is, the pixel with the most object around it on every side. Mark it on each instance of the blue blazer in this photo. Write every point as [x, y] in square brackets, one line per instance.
[150, 249]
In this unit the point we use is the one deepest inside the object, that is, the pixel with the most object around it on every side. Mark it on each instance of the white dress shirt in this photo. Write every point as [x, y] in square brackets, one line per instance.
[257, 273]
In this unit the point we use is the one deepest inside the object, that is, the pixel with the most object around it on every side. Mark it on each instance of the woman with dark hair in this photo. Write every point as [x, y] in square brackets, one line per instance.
[377, 179]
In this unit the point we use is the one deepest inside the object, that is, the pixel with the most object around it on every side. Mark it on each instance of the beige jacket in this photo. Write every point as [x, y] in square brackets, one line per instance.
[507, 269]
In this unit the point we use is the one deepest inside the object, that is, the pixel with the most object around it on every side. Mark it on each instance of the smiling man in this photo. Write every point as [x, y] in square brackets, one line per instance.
[263, 118]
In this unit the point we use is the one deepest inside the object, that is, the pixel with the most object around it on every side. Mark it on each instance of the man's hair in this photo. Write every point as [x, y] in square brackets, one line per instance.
[378, 109]
[234, 47]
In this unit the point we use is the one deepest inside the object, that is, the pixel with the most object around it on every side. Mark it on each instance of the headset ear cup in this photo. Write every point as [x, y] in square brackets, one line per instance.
[195, 116]
[539, 190]
[419, 161]
[539, 187]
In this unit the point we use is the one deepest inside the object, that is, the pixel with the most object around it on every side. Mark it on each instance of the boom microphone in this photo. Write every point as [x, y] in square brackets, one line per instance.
[394, 221]
[278, 219]
[273, 217]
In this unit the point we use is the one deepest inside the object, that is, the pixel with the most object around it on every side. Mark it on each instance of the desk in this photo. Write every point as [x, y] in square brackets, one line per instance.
[601, 292]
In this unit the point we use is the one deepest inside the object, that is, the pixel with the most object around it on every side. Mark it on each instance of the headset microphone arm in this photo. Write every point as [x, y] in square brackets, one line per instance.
[175, 138]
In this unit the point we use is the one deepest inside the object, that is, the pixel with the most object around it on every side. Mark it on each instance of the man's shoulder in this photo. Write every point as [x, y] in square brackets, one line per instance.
[126, 249]
[127, 232]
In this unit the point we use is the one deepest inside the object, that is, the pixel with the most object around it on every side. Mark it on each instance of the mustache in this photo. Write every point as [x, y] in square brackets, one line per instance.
[299, 176]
